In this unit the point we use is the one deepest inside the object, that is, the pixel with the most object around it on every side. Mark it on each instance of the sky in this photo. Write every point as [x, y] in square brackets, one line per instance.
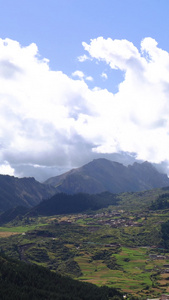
[81, 80]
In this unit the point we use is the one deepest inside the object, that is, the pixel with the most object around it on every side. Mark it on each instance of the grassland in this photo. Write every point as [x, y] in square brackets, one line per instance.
[13, 230]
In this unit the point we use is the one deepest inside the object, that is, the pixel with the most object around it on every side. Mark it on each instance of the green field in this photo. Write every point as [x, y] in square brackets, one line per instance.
[134, 277]
[110, 247]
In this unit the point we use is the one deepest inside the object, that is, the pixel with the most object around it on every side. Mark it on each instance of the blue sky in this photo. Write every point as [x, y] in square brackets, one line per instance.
[59, 27]
[103, 90]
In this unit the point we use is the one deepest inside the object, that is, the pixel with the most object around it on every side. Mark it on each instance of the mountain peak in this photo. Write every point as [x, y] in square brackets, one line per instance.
[102, 175]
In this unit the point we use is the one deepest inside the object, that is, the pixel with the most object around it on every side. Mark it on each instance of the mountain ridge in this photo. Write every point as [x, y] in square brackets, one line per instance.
[22, 192]
[102, 175]
[99, 175]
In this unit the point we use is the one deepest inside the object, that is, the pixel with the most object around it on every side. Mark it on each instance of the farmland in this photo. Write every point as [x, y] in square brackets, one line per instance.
[120, 246]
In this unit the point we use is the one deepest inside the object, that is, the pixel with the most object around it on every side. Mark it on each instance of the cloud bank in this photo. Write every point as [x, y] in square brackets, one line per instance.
[50, 122]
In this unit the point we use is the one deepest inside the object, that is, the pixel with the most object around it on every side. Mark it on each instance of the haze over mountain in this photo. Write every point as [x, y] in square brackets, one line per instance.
[97, 176]
[105, 175]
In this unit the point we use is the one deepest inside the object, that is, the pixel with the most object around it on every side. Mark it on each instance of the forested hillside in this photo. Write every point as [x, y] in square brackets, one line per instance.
[24, 281]
[64, 203]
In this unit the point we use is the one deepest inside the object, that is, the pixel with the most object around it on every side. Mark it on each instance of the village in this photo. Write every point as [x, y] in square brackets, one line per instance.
[113, 219]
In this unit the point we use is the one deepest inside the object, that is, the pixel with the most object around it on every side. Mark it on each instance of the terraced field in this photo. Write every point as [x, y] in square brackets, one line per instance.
[137, 275]
[113, 246]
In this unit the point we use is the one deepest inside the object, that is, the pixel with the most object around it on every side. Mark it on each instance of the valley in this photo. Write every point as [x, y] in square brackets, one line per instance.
[121, 245]
[104, 227]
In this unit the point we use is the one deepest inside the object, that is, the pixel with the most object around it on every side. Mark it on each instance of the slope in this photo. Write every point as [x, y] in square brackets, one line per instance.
[105, 175]
[22, 192]
[67, 204]
[24, 281]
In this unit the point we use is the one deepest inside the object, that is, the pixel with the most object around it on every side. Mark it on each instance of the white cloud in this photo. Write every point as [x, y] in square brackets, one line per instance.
[5, 169]
[104, 75]
[79, 74]
[115, 52]
[139, 111]
[83, 58]
[89, 78]
[50, 122]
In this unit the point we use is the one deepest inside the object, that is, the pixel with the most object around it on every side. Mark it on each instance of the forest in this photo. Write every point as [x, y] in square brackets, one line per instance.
[19, 280]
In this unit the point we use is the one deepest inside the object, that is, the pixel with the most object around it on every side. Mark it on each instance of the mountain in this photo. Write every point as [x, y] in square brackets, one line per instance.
[67, 204]
[22, 192]
[12, 213]
[104, 175]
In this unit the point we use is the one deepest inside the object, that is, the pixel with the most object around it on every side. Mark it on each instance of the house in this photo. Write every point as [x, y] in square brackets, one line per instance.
[164, 297]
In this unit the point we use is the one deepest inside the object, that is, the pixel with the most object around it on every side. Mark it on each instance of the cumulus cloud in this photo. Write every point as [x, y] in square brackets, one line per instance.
[39, 109]
[140, 109]
[83, 58]
[50, 122]
[89, 78]
[104, 75]
[79, 74]
[5, 168]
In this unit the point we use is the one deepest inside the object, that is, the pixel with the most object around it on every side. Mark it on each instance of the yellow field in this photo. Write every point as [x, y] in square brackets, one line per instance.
[4, 234]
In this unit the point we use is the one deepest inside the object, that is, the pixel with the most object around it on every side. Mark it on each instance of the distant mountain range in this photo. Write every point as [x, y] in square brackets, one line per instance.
[96, 177]
[104, 175]
[22, 192]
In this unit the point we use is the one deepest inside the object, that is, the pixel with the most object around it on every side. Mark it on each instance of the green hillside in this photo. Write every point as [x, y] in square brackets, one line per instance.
[123, 245]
